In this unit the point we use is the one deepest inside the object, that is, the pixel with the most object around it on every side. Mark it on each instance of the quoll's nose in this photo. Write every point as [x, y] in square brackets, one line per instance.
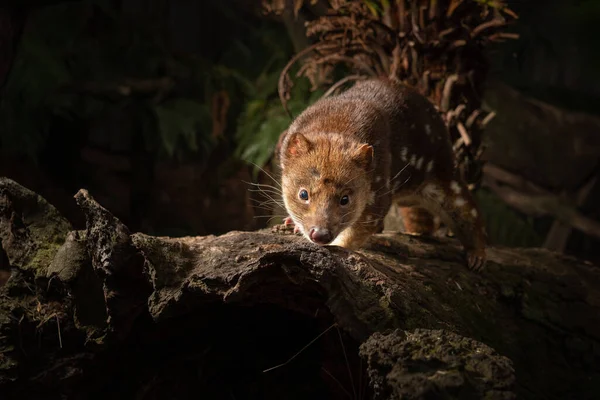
[320, 235]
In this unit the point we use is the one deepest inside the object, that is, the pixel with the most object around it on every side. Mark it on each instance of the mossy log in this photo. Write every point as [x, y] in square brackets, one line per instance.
[107, 313]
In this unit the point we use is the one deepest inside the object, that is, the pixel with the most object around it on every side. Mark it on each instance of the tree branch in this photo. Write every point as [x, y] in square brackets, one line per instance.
[539, 203]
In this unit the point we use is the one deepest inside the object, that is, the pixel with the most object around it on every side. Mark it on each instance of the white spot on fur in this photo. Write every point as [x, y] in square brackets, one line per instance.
[369, 217]
[413, 159]
[429, 166]
[387, 184]
[428, 129]
[459, 202]
[455, 187]
[474, 213]
[420, 162]
[434, 192]
[371, 198]
[403, 153]
[378, 178]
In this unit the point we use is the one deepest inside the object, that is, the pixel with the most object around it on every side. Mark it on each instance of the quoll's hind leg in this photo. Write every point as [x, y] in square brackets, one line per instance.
[418, 220]
[454, 204]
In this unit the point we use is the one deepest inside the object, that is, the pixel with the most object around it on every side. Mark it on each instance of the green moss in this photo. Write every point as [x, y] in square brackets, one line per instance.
[7, 363]
[42, 259]
[48, 232]
[389, 314]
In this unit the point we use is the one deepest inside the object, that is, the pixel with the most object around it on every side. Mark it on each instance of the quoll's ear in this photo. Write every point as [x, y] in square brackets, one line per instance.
[297, 145]
[364, 156]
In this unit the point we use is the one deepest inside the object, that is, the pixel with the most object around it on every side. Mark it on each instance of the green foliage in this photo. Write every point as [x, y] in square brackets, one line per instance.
[264, 118]
[179, 120]
[68, 45]
[505, 226]
[374, 7]
[31, 96]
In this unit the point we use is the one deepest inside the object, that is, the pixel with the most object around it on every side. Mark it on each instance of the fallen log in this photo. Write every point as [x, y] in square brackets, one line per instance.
[105, 312]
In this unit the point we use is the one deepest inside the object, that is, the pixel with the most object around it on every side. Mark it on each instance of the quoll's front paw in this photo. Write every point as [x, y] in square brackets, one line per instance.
[289, 221]
[476, 259]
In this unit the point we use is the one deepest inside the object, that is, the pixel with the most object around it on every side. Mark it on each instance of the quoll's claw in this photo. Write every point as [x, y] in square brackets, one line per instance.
[476, 259]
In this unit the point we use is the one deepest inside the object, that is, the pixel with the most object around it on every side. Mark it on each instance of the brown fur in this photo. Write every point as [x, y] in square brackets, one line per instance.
[378, 142]
[418, 220]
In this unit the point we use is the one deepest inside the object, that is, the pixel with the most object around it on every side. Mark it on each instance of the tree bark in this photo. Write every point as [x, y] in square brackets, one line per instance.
[107, 312]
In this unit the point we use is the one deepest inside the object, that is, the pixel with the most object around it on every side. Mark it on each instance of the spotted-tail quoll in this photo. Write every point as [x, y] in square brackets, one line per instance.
[346, 158]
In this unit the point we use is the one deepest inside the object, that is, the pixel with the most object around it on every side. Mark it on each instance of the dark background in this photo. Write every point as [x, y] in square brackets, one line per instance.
[158, 107]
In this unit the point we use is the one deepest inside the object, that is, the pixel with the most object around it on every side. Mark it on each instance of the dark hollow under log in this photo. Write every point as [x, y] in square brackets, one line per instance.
[107, 313]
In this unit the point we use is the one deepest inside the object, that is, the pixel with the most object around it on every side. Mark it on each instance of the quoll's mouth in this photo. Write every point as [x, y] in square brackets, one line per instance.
[320, 235]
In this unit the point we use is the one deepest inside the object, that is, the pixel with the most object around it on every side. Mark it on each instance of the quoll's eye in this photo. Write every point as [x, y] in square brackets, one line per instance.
[303, 194]
[344, 200]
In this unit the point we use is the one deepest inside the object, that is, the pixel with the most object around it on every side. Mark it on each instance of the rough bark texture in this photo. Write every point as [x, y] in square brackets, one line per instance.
[443, 362]
[115, 314]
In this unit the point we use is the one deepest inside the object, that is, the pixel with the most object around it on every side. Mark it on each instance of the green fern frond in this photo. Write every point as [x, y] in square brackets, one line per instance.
[180, 121]
[373, 7]
[31, 96]
[263, 120]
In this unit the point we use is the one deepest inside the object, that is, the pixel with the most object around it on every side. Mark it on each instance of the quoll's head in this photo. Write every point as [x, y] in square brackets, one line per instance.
[325, 184]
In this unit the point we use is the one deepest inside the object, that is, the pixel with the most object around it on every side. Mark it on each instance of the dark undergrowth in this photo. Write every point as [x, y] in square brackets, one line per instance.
[225, 352]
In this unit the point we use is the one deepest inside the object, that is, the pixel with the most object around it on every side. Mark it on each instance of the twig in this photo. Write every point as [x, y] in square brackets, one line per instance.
[545, 204]
[463, 133]
[559, 232]
[302, 349]
[396, 62]
[452, 7]
[472, 118]
[284, 74]
[347, 362]
[59, 334]
[387, 16]
[514, 180]
[448, 85]
[360, 383]
[495, 23]
[413, 20]
[488, 118]
[383, 58]
[337, 381]
[341, 82]
[401, 11]
[350, 60]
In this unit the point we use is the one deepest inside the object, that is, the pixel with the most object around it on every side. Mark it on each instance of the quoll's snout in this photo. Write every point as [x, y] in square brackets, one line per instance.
[320, 235]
